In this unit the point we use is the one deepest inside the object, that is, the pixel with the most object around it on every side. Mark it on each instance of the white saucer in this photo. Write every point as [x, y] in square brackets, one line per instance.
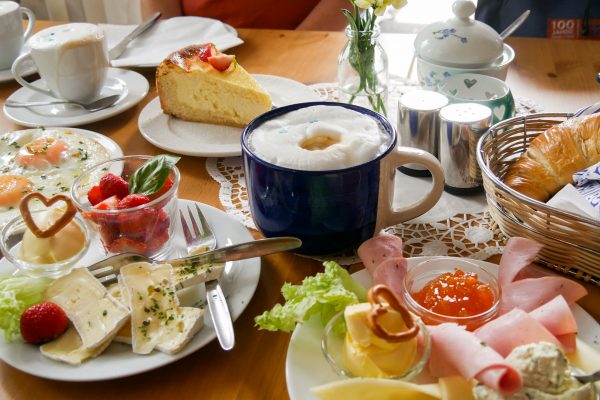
[132, 87]
[208, 140]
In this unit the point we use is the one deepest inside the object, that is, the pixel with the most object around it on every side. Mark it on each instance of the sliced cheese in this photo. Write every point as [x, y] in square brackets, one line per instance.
[188, 274]
[456, 388]
[376, 389]
[69, 348]
[117, 291]
[157, 320]
[95, 314]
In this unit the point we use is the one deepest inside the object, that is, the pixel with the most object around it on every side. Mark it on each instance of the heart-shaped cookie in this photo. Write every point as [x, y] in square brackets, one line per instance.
[382, 298]
[60, 223]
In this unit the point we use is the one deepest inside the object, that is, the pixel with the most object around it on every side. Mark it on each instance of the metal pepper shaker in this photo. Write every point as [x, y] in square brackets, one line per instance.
[418, 124]
[461, 126]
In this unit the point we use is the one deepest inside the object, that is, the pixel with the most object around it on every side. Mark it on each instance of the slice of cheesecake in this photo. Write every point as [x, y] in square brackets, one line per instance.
[198, 83]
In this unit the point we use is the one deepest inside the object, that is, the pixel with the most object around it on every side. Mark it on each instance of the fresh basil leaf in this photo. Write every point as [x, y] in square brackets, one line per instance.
[150, 177]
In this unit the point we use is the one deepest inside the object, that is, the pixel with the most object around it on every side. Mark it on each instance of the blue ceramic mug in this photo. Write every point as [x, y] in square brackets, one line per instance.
[334, 209]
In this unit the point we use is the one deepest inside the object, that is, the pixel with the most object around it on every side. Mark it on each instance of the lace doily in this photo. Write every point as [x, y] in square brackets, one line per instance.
[457, 226]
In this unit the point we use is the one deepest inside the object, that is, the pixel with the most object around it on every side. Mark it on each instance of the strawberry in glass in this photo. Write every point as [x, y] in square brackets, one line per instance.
[133, 204]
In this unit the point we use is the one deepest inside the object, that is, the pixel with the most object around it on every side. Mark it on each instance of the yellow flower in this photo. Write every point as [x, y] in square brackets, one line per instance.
[364, 4]
[398, 3]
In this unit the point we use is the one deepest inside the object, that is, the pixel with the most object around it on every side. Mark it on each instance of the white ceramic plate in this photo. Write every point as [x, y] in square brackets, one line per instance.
[166, 36]
[306, 367]
[132, 87]
[208, 140]
[112, 148]
[118, 360]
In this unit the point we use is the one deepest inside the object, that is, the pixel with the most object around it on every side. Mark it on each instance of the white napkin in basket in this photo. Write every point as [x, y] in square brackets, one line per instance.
[166, 36]
[583, 199]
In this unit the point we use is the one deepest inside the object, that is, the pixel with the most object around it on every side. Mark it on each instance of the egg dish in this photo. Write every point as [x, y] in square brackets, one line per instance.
[43, 160]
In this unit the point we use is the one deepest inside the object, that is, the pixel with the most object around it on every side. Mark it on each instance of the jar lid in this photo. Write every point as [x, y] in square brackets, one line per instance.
[460, 40]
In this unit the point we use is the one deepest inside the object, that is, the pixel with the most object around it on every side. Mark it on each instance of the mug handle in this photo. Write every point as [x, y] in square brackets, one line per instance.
[16, 74]
[386, 214]
[31, 20]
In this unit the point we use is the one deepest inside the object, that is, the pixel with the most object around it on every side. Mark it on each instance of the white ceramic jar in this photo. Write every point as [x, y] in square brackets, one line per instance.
[460, 45]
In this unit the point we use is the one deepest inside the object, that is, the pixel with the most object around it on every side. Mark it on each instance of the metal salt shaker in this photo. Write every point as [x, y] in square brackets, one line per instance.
[461, 126]
[418, 124]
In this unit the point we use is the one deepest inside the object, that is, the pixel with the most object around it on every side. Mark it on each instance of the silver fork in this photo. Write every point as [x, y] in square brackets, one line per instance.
[203, 236]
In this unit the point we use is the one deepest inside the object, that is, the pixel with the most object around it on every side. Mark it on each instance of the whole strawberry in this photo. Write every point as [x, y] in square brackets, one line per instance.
[113, 185]
[43, 322]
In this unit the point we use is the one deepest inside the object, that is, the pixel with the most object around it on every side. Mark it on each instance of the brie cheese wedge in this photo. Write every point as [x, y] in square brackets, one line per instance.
[157, 320]
[68, 348]
[95, 314]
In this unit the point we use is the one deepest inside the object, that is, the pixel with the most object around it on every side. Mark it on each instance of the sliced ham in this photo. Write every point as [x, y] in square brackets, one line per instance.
[378, 249]
[457, 351]
[514, 329]
[556, 316]
[568, 342]
[391, 273]
[518, 253]
[529, 294]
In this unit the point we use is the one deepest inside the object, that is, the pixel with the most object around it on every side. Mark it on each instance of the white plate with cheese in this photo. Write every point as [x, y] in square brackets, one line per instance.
[118, 360]
[209, 140]
[306, 367]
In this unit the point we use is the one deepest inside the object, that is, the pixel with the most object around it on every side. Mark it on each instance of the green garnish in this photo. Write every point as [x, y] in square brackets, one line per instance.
[150, 177]
[326, 293]
[18, 293]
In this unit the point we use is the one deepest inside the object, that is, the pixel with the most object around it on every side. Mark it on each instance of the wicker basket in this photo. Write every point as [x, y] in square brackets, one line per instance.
[571, 242]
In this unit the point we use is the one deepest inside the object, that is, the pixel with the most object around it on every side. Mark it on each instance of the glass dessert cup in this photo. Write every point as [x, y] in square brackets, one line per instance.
[332, 346]
[424, 272]
[146, 229]
[11, 242]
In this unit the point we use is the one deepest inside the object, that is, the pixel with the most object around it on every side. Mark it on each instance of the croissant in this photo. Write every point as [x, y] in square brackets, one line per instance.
[554, 156]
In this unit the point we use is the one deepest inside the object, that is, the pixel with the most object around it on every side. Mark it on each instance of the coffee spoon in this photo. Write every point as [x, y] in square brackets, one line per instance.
[97, 105]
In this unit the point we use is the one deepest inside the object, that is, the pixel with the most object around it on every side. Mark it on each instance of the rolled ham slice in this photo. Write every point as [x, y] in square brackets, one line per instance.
[457, 351]
[391, 273]
[514, 329]
[518, 253]
[378, 249]
[529, 294]
[557, 317]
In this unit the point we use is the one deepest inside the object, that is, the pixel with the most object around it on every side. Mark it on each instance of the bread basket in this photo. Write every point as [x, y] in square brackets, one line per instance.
[571, 242]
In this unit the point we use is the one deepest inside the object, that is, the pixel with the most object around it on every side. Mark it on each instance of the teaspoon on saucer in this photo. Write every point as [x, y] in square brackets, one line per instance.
[97, 105]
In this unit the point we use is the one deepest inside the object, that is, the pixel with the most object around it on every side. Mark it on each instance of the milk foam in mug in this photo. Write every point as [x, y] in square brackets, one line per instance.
[72, 60]
[324, 172]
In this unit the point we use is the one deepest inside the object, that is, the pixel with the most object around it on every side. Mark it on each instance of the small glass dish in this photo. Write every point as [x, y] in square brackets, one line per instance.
[11, 241]
[332, 346]
[424, 272]
[146, 229]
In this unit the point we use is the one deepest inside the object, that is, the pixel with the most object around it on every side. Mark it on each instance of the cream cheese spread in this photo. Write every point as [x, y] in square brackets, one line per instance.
[546, 376]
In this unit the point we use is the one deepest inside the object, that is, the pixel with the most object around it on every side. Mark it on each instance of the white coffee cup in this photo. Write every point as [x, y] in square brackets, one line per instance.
[12, 36]
[72, 60]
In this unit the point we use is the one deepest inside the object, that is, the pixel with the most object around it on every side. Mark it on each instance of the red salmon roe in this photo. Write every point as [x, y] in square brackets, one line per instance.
[457, 294]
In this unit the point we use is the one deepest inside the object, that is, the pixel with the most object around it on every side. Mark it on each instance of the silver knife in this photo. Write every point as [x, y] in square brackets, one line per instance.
[116, 51]
[217, 304]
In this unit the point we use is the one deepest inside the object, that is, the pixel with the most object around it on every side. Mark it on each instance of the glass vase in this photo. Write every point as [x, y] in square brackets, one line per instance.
[363, 71]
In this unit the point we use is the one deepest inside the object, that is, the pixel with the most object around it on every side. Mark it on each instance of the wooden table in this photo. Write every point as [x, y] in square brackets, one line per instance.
[558, 75]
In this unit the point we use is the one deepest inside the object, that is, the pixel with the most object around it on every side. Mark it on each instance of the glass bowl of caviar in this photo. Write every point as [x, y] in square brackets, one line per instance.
[451, 289]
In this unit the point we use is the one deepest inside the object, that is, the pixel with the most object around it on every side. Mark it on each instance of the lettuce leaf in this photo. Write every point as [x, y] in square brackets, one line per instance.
[326, 293]
[17, 293]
